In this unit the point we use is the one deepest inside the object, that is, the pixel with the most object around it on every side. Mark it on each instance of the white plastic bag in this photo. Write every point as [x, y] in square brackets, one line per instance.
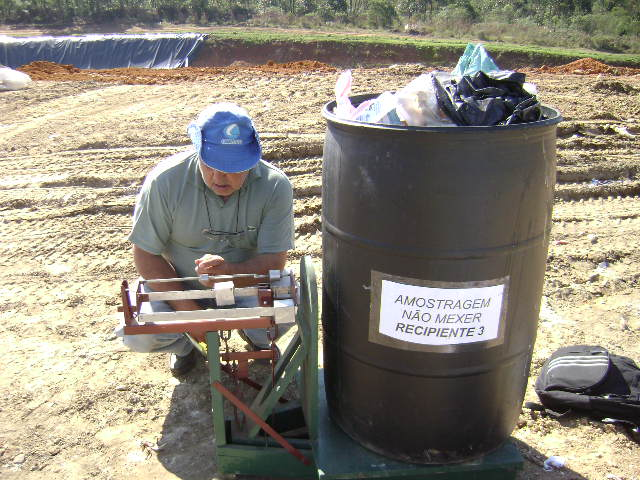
[379, 110]
[344, 109]
[11, 79]
[374, 110]
[417, 104]
[554, 462]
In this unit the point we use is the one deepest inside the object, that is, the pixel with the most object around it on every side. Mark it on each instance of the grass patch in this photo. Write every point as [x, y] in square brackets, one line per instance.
[430, 49]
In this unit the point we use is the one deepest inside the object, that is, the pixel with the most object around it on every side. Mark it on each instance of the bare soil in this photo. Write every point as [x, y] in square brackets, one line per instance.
[74, 150]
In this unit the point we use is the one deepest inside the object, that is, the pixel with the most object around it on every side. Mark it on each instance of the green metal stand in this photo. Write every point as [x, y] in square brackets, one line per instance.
[255, 454]
[332, 454]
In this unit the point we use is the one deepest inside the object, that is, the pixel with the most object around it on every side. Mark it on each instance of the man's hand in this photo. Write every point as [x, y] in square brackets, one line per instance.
[210, 265]
[260, 264]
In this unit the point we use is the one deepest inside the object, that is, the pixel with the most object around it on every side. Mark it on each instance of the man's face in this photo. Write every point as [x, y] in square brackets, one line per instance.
[222, 183]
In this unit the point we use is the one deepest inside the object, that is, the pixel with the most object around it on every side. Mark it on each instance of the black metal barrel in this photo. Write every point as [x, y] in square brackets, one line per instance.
[434, 250]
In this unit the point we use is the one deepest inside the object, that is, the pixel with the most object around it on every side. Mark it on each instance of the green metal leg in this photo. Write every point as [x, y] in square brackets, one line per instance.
[217, 408]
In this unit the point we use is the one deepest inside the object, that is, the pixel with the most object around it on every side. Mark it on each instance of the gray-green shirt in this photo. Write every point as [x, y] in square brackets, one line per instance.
[171, 214]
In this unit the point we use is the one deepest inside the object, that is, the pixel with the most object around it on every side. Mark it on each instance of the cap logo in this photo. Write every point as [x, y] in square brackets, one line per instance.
[231, 135]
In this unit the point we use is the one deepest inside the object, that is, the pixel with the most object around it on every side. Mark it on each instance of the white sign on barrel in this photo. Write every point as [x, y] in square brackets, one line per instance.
[440, 316]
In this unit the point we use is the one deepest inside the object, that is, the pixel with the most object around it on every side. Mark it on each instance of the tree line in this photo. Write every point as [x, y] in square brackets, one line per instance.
[611, 18]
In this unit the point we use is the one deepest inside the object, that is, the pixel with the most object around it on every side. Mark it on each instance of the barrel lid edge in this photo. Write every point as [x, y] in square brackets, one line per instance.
[554, 114]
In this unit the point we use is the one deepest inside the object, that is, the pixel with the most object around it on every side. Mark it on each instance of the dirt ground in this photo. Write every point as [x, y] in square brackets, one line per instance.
[75, 404]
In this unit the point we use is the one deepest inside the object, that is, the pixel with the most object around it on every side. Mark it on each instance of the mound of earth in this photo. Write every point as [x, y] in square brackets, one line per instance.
[43, 70]
[590, 66]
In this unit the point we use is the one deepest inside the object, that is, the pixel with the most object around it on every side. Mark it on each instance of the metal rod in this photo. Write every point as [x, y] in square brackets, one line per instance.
[280, 312]
[254, 355]
[198, 326]
[279, 292]
[205, 277]
[126, 303]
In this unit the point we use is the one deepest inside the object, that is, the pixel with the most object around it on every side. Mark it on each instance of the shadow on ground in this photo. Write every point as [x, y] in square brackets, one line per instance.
[188, 441]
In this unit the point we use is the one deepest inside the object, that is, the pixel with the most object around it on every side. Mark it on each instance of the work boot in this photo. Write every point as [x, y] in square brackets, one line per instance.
[256, 338]
[182, 365]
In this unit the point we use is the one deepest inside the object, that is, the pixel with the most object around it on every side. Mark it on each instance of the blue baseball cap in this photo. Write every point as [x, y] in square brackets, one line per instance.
[225, 138]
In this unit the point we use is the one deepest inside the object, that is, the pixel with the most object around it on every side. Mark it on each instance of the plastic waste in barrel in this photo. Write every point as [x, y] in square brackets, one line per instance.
[434, 251]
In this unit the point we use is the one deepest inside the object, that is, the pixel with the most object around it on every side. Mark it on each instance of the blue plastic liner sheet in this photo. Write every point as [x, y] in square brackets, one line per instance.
[151, 50]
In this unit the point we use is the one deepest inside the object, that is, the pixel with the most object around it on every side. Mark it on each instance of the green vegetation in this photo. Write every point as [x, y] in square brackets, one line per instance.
[605, 25]
[429, 49]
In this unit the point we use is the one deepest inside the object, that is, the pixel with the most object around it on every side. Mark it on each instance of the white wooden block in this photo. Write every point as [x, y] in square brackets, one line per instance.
[274, 275]
[224, 294]
[284, 311]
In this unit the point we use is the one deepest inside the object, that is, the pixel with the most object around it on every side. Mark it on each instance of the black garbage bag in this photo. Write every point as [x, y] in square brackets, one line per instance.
[494, 98]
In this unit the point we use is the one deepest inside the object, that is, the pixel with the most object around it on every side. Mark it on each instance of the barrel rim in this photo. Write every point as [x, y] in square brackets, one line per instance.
[554, 117]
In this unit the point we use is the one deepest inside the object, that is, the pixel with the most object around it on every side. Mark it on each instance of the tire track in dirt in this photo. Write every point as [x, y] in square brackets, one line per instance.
[590, 250]
[306, 177]
[598, 159]
[597, 208]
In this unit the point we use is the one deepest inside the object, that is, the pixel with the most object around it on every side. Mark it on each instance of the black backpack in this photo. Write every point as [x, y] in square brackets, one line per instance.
[590, 380]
